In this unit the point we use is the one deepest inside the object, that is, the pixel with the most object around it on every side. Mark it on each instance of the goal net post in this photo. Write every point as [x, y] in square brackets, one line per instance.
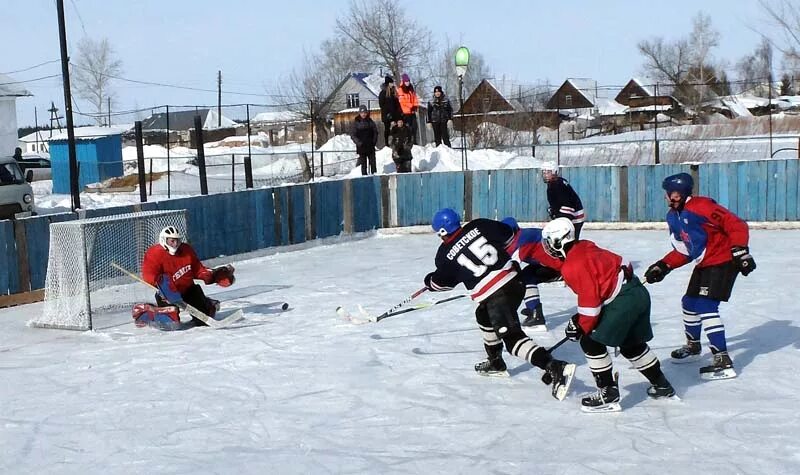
[81, 282]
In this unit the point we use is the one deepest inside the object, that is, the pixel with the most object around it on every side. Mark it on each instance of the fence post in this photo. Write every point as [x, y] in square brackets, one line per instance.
[201, 154]
[248, 172]
[140, 161]
[657, 152]
[233, 172]
[248, 181]
[321, 163]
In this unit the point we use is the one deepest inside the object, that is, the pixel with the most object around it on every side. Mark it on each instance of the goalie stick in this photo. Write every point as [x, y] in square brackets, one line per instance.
[210, 321]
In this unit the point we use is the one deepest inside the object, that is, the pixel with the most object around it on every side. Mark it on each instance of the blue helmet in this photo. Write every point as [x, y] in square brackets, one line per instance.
[446, 221]
[682, 183]
[508, 220]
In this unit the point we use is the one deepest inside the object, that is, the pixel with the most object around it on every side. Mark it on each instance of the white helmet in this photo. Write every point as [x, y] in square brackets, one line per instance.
[548, 169]
[556, 235]
[169, 232]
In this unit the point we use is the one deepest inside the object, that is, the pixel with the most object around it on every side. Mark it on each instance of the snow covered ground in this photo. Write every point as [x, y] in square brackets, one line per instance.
[304, 392]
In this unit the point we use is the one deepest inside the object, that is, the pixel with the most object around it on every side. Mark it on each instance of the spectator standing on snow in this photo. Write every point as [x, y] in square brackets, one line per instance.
[365, 135]
[401, 146]
[409, 103]
[390, 108]
[440, 111]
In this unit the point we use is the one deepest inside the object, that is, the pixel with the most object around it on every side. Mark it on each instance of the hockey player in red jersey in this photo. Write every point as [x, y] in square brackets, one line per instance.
[172, 266]
[475, 255]
[717, 241]
[613, 310]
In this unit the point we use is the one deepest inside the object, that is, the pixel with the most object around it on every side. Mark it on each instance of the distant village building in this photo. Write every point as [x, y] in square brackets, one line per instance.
[282, 126]
[180, 124]
[508, 104]
[10, 90]
[645, 100]
[35, 142]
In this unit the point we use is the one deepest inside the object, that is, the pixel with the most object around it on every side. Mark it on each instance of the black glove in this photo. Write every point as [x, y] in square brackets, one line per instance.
[657, 272]
[427, 281]
[573, 331]
[743, 260]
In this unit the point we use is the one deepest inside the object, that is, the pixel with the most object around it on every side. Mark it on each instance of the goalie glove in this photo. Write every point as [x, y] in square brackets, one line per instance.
[223, 275]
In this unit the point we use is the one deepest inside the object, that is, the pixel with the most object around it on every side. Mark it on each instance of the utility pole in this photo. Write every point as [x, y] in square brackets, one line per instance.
[54, 117]
[109, 111]
[73, 157]
[219, 98]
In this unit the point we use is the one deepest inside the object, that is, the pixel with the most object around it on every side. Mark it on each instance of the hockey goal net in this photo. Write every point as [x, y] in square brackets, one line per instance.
[81, 281]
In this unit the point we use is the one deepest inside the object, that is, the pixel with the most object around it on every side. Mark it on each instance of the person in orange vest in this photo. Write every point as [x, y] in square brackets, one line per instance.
[409, 103]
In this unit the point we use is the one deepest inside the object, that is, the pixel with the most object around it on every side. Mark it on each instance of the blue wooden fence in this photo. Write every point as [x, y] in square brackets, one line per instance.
[233, 223]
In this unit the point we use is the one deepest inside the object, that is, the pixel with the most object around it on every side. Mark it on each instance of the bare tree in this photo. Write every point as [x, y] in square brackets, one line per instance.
[666, 62]
[443, 72]
[785, 18]
[687, 63]
[383, 34]
[756, 68]
[95, 66]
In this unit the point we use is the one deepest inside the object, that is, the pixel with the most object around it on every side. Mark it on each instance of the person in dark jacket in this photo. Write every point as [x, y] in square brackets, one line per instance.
[563, 200]
[365, 135]
[439, 112]
[390, 107]
[402, 141]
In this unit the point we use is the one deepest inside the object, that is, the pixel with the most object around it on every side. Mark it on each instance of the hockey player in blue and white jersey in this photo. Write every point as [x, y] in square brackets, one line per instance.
[532, 274]
[475, 255]
[562, 199]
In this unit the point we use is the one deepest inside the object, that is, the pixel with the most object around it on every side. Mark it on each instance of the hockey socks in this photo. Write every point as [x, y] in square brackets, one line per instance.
[700, 312]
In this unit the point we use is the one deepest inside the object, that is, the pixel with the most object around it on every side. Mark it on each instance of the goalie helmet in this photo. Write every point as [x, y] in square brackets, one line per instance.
[170, 232]
[556, 235]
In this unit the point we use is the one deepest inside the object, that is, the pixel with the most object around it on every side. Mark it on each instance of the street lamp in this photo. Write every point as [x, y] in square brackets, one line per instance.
[462, 61]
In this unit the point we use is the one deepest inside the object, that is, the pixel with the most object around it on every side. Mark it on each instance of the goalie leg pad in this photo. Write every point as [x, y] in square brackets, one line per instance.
[163, 318]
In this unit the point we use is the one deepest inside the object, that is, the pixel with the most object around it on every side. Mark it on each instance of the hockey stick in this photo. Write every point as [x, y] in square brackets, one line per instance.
[560, 342]
[420, 306]
[210, 321]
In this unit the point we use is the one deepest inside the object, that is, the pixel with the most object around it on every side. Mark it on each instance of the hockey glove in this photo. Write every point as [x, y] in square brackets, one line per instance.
[223, 275]
[428, 279]
[743, 260]
[167, 290]
[657, 272]
[573, 331]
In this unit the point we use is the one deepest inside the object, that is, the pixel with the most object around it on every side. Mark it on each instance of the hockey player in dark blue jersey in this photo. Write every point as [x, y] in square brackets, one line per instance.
[532, 274]
[475, 255]
[562, 199]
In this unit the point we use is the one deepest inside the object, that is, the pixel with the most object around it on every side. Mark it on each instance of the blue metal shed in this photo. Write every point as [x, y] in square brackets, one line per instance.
[99, 158]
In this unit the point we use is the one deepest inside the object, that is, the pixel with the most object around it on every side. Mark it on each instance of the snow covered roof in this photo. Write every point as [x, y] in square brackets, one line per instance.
[38, 136]
[373, 81]
[277, 116]
[88, 133]
[646, 84]
[11, 88]
[184, 120]
[607, 106]
[516, 93]
[586, 86]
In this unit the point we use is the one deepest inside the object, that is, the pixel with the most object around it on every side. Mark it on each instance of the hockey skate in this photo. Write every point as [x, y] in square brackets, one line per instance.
[606, 399]
[687, 353]
[559, 374]
[721, 367]
[661, 389]
[495, 367]
[534, 319]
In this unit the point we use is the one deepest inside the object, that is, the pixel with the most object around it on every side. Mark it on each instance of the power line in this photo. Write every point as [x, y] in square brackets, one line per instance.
[30, 80]
[33, 67]
[187, 88]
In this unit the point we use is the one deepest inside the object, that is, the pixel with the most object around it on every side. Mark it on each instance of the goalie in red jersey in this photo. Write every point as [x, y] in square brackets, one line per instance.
[173, 266]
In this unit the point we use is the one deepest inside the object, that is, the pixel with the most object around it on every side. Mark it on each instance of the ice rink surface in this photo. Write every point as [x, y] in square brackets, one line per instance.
[303, 391]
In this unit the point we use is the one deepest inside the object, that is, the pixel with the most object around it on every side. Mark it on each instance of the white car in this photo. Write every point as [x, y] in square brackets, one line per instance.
[16, 194]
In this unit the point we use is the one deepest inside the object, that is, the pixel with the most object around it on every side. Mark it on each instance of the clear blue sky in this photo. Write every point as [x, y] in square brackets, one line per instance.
[255, 43]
